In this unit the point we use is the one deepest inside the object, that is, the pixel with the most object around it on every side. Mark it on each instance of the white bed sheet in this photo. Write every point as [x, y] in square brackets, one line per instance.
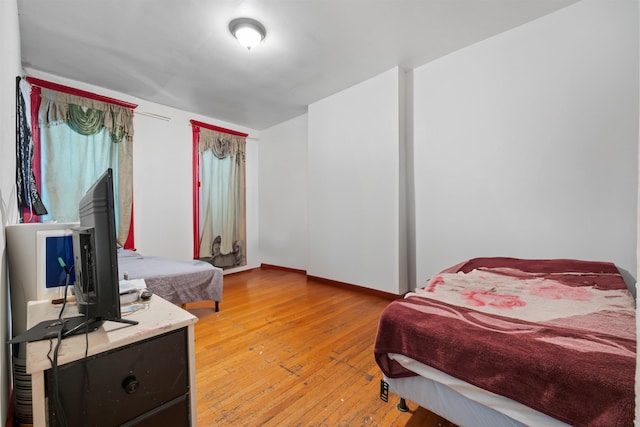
[462, 403]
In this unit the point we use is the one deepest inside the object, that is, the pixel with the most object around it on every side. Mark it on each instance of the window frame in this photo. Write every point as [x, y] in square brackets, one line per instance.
[195, 127]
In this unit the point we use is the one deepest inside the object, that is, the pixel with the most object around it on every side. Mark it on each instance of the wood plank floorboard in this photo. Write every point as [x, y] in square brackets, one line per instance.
[285, 350]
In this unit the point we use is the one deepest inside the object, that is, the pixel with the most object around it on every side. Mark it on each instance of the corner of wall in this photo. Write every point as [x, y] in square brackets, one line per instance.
[407, 165]
[10, 52]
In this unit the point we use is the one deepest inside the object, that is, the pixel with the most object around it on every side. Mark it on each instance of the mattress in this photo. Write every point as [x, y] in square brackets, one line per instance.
[557, 336]
[179, 282]
[462, 403]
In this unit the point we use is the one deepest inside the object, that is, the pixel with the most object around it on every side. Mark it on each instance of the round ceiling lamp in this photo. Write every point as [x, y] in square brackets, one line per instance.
[249, 32]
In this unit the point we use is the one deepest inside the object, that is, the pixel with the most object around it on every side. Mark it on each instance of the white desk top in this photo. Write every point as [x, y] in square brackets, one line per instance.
[160, 317]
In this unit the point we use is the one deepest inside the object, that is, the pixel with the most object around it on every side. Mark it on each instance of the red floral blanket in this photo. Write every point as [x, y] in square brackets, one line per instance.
[556, 335]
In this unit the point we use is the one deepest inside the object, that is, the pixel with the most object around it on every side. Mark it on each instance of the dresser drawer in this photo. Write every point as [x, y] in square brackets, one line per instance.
[115, 387]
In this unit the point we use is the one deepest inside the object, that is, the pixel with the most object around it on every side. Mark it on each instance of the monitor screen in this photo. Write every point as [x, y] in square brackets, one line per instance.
[55, 247]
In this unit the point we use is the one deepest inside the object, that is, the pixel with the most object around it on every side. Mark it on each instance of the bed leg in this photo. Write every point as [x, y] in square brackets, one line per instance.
[402, 406]
[217, 306]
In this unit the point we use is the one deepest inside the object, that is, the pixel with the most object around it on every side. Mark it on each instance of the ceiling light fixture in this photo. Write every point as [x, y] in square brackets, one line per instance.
[249, 32]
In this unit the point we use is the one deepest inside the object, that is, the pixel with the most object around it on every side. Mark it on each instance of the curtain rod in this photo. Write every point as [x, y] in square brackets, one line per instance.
[166, 119]
[154, 115]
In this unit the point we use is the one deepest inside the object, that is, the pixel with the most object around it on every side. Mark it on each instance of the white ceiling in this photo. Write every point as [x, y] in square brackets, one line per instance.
[180, 52]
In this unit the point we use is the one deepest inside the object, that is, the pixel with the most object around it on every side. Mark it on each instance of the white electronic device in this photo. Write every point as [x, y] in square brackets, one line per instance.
[27, 255]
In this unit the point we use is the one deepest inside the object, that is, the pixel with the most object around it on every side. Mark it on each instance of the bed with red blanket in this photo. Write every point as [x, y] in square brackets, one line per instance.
[538, 342]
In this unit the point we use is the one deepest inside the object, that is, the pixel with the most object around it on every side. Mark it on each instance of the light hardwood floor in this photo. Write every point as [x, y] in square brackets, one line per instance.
[287, 351]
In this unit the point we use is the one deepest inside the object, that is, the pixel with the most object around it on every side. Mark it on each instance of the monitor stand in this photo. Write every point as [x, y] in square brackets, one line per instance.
[81, 325]
[50, 329]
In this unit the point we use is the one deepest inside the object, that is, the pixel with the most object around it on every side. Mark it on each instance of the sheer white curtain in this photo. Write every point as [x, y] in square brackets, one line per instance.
[71, 163]
[217, 213]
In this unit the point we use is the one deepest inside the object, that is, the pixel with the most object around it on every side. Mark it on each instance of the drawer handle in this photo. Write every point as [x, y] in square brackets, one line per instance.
[130, 384]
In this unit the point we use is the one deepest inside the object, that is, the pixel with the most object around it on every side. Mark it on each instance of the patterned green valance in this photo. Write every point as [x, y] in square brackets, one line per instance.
[85, 116]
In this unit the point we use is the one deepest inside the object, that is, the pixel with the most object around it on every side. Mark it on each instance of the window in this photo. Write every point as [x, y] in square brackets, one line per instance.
[219, 195]
[75, 137]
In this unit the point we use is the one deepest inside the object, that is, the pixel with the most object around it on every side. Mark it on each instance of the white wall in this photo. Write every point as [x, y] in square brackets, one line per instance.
[10, 54]
[283, 194]
[162, 173]
[526, 144]
[637, 388]
[354, 185]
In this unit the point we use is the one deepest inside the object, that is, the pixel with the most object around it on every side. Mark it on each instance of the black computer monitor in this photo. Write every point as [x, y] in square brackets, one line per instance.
[95, 255]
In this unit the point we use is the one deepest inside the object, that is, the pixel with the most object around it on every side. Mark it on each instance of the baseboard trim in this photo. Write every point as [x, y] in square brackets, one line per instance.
[228, 273]
[386, 295]
[278, 267]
